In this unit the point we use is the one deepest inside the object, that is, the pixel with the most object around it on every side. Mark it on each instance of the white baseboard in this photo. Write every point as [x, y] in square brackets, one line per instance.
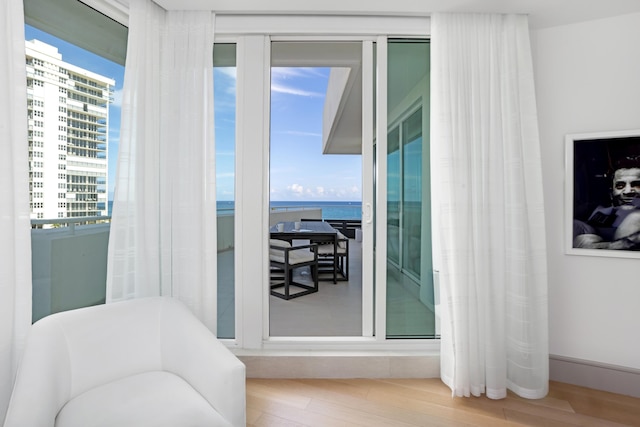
[342, 366]
[599, 376]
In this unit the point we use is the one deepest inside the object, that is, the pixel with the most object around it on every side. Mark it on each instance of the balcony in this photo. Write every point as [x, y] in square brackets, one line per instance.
[69, 261]
[69, 264]
[69, 258]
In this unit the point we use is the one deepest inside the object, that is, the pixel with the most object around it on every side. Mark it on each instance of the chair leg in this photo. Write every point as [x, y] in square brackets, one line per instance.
[314, 275]
[288, 277]
[288, 282]
[346, 267]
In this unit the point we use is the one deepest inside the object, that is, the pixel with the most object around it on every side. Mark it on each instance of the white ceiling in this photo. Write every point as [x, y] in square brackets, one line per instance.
[542, 13]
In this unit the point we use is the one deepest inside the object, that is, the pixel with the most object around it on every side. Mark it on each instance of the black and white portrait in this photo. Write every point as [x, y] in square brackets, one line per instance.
[604, 186]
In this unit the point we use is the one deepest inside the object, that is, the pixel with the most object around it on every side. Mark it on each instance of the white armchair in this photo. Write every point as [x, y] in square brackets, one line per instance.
[143, 362]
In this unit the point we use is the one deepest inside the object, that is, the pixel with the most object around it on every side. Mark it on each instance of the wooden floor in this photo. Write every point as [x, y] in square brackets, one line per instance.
[428, 402]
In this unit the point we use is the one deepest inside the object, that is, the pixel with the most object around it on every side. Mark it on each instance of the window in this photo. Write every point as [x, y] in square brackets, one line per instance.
[66, 77]
[224, 74]
[242, 193]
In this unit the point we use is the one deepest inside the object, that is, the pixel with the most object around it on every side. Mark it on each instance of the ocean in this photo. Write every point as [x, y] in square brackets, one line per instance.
[330, 210]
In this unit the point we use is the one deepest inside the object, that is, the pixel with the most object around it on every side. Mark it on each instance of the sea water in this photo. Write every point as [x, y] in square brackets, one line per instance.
[330, 210]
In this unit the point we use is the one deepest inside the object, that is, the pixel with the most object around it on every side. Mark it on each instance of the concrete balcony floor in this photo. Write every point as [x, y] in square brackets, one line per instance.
[335, 310]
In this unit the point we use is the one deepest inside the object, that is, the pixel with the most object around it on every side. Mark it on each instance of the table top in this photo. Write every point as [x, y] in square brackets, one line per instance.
[305, 227]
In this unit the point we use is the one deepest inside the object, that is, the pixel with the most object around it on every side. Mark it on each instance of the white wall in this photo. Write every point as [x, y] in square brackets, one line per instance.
[588, 79]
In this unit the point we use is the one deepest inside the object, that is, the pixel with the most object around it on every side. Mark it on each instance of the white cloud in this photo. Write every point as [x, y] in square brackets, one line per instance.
[225, 175]
[298, 133]
[230, 72]
[114, 134]
[117, 99]
[300, 192]
[286, 72]
[289, 90]
[296, 189]
[281, 74]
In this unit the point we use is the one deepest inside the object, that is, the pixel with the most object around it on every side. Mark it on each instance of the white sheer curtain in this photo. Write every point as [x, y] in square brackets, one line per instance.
[163, 238]
[489, 186]
[15, 226]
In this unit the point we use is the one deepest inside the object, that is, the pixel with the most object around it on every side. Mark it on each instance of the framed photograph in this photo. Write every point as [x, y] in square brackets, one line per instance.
[603, 194]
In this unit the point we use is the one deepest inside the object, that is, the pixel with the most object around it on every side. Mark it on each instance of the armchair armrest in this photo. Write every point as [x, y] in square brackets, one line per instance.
[191, 351]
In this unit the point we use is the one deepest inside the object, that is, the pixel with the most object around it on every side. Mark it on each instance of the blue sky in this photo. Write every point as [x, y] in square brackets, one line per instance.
[299, 171]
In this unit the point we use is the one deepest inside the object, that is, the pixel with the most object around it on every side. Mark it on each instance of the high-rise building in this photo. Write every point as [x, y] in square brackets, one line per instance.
[68, 109]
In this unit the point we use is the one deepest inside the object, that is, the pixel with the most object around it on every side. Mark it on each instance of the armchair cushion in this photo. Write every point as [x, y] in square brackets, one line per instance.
[153, 398]
[297, 254]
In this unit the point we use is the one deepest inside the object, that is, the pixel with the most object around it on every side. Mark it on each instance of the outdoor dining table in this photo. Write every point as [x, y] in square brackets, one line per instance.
[306, 227]
[314, 231]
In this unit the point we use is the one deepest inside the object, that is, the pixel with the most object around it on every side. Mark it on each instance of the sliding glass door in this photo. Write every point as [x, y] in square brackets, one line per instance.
[363, 105]
[315, 174]
[410, 310]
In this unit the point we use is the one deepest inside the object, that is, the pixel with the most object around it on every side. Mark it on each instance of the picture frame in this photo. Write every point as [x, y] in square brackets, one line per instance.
[602, 187]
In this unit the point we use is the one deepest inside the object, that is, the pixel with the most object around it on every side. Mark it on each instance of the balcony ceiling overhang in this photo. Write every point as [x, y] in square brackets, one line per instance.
[542, 13]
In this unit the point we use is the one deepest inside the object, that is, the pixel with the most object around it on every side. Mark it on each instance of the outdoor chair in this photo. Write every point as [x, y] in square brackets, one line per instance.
[284, 259]
[334, 259]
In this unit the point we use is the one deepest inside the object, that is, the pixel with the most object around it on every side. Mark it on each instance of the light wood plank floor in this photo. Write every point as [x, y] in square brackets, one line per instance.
[425, 402]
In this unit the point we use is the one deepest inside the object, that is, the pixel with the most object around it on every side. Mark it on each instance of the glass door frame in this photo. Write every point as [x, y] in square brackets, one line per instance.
[252, 201]
[368, 208]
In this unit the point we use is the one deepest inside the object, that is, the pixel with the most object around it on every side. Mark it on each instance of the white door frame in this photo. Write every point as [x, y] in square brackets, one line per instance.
[252, 160]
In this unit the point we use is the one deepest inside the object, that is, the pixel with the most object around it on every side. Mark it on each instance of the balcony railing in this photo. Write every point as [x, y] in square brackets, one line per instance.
[69, 223]
[69, 260]
[69, 257]
[69, 263]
